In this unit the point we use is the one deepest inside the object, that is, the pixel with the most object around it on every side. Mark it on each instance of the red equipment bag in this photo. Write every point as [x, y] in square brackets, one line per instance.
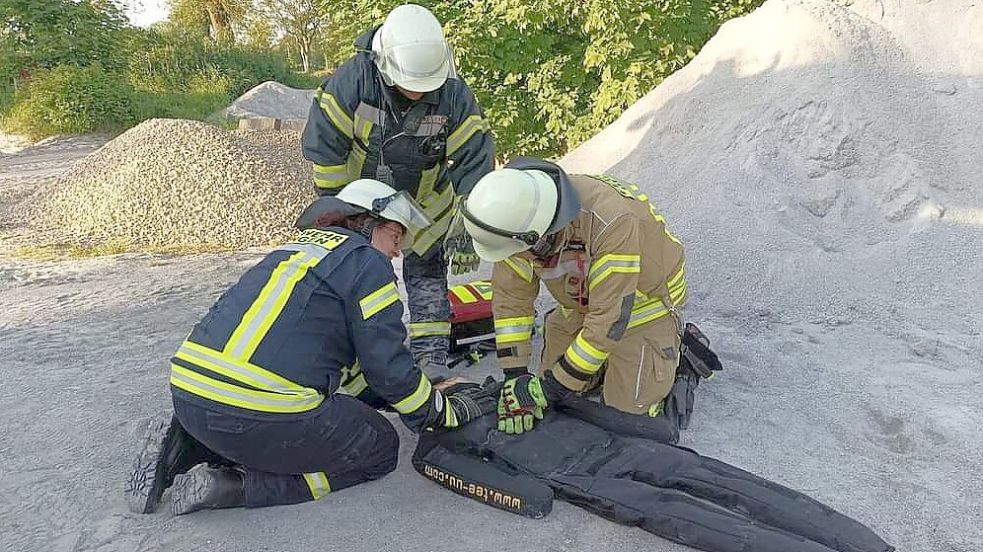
[472, 322]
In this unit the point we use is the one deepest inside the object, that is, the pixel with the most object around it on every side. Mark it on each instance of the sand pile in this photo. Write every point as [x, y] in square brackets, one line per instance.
[822, 163]
[272, 99]
[167, 183]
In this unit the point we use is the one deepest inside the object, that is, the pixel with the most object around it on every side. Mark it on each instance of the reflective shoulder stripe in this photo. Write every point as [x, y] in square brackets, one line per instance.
[415, 400]
[336, 114]
[464, 132]
[317, 482]
[366, 116]
[513, 330]
[521, 267]
[584, 356]
[378, 300]
[241, 397]
[610, 264]
[261, 315]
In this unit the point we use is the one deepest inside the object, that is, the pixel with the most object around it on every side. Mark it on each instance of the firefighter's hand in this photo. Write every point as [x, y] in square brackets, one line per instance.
[521, 403]
[518, 421]
[441, 414]
[470, 402]
[462, 256]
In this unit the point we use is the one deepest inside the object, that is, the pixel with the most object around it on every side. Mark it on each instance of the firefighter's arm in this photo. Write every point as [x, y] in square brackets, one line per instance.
[375, 314]
[515, 287]
[469, 142]
[611, 283]
[327, 138]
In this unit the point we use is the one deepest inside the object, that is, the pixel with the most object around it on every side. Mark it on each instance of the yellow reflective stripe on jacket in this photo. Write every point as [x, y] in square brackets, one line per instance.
[439, 207]
[267, 307]
[653, 309]
[355, 161]
[335, 113]
[415, 400]
[353, 380]
[513, 330]
[584, 356]
[424, 329]
[242, 397]
[356, 386]
[610, 264]
[329, 177]
[464, 132]
[235, 369]
[521, 267]
[366, 116]
[378, 300]
[317, 482]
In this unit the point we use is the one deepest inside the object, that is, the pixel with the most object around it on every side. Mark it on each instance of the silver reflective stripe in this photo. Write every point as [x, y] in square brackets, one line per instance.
[297, 267]
[232, 367]
[369, 113]
[584, 354]
[513, 330]
[291, 402]
[314, 251]
[317, 482]
[372, 307]
[646, 312]
[332, 176]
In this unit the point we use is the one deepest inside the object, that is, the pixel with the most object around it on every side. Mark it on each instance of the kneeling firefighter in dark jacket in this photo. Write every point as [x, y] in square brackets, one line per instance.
[618, 466]
[257, 417]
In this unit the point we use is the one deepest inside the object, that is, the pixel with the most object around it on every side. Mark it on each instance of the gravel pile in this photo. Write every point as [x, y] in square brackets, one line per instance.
[272, 99]
[173, 183]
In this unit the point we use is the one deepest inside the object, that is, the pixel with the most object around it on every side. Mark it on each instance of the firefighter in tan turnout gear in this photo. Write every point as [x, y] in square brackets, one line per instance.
[609, 260]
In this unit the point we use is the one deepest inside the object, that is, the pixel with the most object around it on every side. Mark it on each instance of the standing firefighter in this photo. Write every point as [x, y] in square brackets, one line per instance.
[611, 263]
[257, 417]
[397, 112]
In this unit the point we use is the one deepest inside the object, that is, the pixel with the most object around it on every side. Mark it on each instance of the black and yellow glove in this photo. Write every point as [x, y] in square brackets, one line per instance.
[441, 414]
[521, 403]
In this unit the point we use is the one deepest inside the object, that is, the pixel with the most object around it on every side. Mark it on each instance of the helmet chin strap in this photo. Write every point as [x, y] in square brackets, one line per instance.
[368, 227]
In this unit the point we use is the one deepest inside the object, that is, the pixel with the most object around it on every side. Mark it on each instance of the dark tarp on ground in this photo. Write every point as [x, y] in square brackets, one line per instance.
[669, 491]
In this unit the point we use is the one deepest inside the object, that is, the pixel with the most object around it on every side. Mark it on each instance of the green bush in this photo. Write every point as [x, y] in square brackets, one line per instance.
[200, 98]
[169, 62]
[69, 99]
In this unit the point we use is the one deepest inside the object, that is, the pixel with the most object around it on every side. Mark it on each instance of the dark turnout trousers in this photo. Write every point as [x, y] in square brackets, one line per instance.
[303, 457]
[611, 471]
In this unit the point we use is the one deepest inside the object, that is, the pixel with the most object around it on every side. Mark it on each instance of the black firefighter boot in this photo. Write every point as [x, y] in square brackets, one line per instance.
[167, 451]
[205, 488]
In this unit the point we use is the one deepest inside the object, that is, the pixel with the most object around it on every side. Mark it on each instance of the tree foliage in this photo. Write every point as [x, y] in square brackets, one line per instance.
[219, 19]
[302, 24]
[46, 33]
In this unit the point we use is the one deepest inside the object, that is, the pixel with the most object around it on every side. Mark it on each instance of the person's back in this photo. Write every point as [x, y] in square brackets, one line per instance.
[286, 315]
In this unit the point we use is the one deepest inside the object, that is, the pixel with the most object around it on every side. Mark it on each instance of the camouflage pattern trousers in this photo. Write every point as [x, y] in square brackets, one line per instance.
[426, 286]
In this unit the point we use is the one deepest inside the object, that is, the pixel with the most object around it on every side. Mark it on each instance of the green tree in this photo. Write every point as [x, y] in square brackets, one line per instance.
[219, 17]
[301, 23]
